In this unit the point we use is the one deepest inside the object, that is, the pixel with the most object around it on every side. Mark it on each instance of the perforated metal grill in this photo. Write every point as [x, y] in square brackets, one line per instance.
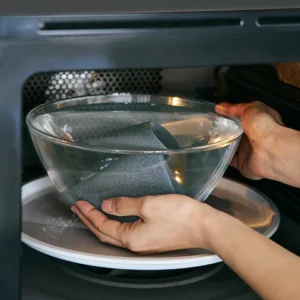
[53, 86]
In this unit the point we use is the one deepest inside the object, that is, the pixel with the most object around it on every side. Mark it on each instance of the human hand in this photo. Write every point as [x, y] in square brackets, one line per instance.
[261, 124]
[166, 223]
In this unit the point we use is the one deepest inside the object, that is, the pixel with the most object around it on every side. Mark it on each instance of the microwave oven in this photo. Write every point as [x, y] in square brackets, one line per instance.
[202, 50]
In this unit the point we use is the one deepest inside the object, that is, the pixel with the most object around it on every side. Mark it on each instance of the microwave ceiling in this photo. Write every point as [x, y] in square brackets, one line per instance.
[37, 7]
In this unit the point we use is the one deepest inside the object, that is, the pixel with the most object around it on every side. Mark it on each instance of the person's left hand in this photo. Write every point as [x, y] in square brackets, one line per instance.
[166, 223]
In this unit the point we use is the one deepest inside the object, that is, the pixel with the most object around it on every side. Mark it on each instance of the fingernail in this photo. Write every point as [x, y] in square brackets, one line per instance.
[107, 206]
[78, 204]
[73, 209]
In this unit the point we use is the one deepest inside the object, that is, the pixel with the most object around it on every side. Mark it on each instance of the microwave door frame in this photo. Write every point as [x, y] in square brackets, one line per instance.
[25, 50]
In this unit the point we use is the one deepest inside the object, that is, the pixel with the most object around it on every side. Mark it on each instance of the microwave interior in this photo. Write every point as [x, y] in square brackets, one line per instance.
[271, 84]
[238, 55]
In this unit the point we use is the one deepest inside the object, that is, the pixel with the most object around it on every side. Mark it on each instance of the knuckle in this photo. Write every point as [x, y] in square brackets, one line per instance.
[276, 114]
[148, 205]
[132, 245]
[101, 238]
[256, 104]
[91, 212]
[255, 109]
[123, 230]
[118, 205]
[99, 223]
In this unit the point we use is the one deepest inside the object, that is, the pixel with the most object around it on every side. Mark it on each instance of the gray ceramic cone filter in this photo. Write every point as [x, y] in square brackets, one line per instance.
[129, 175]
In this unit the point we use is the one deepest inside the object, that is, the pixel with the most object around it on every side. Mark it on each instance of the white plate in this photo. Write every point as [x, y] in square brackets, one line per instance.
[49, 227]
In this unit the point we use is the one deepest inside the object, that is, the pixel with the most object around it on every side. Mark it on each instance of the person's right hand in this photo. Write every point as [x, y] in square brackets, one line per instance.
[261, 125]
[166, 222]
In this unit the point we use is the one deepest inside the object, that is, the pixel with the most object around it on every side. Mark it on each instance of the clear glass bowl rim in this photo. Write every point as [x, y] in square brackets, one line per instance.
[116, 99]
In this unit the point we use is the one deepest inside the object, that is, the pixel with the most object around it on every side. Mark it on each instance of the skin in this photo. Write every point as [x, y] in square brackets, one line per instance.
[173, 222]
[268, 149]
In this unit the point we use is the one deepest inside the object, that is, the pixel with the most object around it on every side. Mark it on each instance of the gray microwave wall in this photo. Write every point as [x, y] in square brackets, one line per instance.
[37, 7]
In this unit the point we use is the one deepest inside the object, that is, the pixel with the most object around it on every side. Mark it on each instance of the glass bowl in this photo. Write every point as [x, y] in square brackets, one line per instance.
[101, 147]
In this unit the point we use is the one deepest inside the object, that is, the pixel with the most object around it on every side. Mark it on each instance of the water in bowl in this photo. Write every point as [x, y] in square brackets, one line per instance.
[100, 172]
[188, 129]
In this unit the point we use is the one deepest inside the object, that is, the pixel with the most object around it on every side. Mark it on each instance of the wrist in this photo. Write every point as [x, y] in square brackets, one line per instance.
[285, 157]
[208, 221]
[212, 225]
[270, 151]
[217, 226]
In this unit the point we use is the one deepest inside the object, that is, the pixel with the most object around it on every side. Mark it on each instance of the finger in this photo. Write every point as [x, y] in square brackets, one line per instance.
[276, 116]
[101, 237]
[123, 206]
[231, 110]
[94, 222]
[90, 212]
[114, 229]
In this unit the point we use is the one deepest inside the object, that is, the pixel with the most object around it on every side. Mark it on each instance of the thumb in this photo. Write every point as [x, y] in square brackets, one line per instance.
[123, 206]
[231, 110]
